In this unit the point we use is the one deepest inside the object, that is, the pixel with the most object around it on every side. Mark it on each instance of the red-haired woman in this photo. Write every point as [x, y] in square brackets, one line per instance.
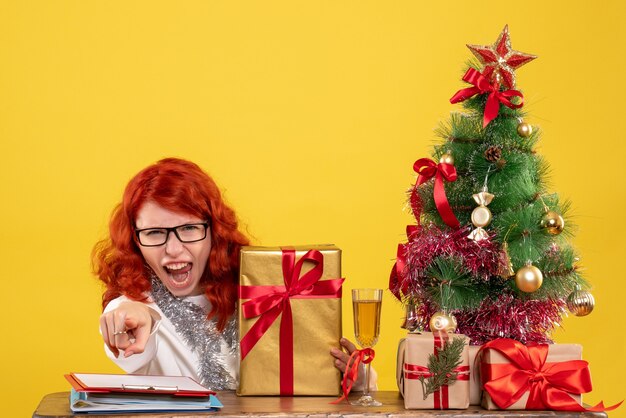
[170, 268]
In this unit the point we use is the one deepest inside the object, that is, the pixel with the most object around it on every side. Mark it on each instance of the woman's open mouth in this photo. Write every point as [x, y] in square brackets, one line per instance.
[179, 273]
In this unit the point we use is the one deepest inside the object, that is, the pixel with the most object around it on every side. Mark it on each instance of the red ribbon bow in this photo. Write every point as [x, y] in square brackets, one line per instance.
[357, 357]
[482, 86]
[427, 169]
[268, 302]
[398, 280]
[549, 384]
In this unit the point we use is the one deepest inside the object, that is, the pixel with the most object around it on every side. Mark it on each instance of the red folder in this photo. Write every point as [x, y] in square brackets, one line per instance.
[134, 383]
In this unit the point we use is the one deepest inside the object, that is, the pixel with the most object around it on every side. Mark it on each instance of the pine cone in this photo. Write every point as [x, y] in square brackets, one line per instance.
[493, 154]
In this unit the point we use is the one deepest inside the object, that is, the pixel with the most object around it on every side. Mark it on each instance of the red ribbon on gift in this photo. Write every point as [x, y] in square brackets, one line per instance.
[440, 397]
[549, 384]
[269, 302]
[483, 86]
[357, 357]
[427, 169]
[413, 371]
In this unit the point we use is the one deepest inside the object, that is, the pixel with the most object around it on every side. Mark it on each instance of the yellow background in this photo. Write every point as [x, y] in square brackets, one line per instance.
[309, 115]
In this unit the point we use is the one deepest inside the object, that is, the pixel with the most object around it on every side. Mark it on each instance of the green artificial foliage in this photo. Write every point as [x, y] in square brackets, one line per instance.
[451, 286]
[442, 365]
[518, 181]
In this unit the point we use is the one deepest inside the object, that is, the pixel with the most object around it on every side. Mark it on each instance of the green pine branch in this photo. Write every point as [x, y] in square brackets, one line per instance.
[442, 366]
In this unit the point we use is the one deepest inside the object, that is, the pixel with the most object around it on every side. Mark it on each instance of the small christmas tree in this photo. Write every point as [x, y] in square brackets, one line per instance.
[489, 256]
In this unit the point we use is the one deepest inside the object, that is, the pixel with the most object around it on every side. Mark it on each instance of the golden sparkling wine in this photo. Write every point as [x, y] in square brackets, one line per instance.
[366, 304]
[367, 321]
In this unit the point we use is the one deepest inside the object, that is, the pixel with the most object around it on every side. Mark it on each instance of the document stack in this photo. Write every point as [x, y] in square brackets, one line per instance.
[110, 393]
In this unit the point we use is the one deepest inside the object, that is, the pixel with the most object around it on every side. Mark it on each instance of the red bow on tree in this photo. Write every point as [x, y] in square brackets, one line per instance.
[483, 86]
[398, 279]
[427, 169]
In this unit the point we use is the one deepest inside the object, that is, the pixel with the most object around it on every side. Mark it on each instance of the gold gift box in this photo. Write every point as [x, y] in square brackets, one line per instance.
[415, 350]
[316, 327]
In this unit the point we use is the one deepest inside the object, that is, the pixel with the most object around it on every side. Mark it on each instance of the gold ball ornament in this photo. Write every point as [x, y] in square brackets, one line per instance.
[552, 222]
[524, 130]
[580, 302]
[441, 321]
[529, 278]
[447, 158]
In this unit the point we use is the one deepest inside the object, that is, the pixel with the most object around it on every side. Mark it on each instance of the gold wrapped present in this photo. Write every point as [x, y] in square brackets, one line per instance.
[289, 319]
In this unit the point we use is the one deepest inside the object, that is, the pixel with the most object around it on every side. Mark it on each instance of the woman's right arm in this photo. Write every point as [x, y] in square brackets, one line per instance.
[128, 329]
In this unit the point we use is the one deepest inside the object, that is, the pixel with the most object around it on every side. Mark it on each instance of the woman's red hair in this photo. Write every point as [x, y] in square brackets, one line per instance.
[180, 186]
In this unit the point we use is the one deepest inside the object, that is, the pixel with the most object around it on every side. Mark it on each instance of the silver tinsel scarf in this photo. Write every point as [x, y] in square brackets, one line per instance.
[201, 335]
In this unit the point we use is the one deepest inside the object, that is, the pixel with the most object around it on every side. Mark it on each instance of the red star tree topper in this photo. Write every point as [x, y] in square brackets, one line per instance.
[501, 59]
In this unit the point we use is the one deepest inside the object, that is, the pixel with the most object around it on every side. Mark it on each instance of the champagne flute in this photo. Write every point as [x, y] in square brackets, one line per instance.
[366, 304]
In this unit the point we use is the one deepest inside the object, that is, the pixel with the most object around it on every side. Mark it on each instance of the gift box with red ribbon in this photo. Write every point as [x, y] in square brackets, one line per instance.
[413, 373]
[476, 389]
[534, 377]
[289, 319]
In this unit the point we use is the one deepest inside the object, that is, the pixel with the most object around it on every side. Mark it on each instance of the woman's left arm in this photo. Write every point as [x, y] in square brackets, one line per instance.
[341, 362]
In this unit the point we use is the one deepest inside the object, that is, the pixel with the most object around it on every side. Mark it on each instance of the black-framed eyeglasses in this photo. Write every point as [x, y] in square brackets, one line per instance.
[154, 237]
